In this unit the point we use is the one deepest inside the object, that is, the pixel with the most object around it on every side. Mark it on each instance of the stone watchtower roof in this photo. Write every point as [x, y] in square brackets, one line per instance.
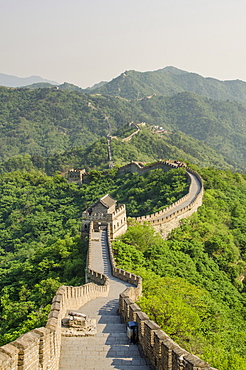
[107, 201]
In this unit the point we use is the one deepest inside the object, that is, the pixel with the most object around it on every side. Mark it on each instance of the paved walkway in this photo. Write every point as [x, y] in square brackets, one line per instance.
[110, 347]
[195, 188]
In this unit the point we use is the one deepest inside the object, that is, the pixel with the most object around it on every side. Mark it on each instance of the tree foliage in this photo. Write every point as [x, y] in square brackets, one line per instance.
[194, 282]
[47, 122]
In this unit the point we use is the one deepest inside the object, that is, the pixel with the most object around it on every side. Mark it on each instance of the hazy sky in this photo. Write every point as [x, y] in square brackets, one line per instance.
[88, 41]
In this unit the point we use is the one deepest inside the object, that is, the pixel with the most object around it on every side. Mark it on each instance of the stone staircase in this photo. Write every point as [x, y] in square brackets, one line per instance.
[110, 347]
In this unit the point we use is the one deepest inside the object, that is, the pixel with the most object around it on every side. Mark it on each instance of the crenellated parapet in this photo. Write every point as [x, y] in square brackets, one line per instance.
[169, 218]
[141, 168]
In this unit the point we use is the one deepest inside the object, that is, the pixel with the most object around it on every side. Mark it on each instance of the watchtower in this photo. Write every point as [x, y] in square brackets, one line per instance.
[103, 212]
[75, 175]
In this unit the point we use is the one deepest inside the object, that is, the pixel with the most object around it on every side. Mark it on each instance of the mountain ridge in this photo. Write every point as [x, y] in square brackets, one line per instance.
[169, 81]
[48, 121]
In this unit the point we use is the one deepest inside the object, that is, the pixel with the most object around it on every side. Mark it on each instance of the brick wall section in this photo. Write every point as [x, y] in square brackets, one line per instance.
[40, 348]
[8, 357]
[162, 223]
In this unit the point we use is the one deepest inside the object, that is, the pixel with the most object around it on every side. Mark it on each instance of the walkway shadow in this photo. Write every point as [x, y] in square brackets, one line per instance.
[125, 355]
[110, 308]
[105, 255]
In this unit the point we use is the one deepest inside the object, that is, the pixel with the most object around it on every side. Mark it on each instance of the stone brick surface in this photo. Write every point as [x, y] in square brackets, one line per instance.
[110, 347]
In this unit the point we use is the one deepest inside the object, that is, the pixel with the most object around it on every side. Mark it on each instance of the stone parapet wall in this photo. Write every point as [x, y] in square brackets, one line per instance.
[40, 348]
[162, 222]
[157, 346]
[122, 274]
[140, 168]
[153, 217]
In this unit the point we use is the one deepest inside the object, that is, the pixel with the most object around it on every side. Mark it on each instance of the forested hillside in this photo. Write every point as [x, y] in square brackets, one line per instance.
[147, 146]
[204, 260]
[194, 282]
[44, 122]
[199, 272]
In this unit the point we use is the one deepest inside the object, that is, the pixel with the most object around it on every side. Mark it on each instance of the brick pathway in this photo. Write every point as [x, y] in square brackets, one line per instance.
[109, 348]
[195, 188]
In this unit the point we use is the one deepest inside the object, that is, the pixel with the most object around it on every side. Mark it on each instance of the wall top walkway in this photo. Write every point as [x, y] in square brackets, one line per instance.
[110, 347]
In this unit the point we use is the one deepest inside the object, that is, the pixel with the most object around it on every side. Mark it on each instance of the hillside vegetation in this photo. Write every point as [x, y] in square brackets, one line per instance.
[44, 122]
[168, 82]
[194, 282]
[146, 146]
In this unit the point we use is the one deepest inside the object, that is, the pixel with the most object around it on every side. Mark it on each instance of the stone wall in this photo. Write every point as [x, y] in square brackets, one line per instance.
[140, 168]
[159, 220]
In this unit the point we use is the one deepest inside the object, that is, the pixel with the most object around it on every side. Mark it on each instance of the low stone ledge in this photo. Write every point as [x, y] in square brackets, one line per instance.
[52, 323]
[133, 308]
[8, 357]
[191, 362]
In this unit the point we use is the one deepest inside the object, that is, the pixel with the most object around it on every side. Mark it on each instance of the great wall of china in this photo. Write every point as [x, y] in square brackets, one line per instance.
[41, 347]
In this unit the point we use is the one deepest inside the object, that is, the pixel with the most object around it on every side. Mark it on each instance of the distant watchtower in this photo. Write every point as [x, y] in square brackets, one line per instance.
[103, 212]
[75, 175]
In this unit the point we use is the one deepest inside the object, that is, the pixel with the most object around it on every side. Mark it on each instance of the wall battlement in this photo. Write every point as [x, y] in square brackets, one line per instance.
[160, 220]
[140, 168]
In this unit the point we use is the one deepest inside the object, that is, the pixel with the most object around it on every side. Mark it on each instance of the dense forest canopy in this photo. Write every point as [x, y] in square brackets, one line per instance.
[146, 146]
[45, 122]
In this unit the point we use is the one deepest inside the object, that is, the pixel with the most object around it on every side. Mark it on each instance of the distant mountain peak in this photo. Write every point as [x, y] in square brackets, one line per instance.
[14, 81]
[173, 70]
